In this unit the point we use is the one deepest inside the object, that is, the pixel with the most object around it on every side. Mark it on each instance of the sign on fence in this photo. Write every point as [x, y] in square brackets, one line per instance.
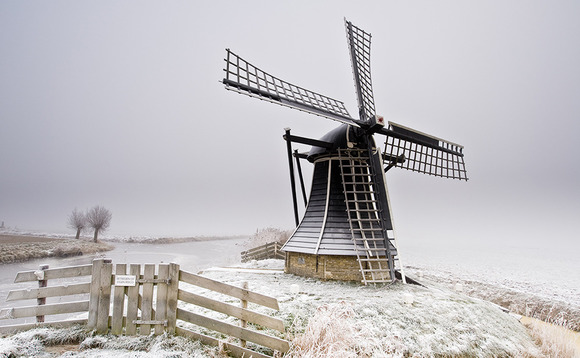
[125, 280]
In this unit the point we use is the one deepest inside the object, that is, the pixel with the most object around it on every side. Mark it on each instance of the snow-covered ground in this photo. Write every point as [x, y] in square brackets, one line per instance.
[540, 282]
[336, 319]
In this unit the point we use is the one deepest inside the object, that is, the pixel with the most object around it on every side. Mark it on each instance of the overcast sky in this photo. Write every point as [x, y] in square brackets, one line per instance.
[118, 103]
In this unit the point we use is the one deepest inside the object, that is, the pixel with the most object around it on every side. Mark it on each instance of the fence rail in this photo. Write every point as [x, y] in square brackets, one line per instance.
[143, 299]
[267, 251]
[40, 310]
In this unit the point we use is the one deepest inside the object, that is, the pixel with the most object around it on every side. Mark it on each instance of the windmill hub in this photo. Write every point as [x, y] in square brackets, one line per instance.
[347, 230]
[376, 123]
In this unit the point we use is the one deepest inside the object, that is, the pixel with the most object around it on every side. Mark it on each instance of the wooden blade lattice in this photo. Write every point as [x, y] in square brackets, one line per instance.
[359, 44]
[245, 78]
[423, 153]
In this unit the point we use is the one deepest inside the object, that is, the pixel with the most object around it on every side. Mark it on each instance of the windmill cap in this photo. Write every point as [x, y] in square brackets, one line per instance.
[339, 137]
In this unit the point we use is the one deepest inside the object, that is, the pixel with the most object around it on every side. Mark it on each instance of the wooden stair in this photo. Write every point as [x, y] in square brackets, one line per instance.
[376, 252]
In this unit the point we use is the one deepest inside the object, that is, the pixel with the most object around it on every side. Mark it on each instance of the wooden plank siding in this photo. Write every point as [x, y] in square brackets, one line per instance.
[306, 235]
[318, 234]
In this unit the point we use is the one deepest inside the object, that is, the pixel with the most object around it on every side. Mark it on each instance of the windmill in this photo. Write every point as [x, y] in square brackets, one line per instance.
[347, 230]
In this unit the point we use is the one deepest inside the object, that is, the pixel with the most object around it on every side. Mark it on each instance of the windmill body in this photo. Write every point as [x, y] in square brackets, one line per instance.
[344, 231]
[347, 230]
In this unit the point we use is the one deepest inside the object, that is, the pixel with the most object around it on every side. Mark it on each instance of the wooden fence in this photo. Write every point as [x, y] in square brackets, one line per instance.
[138, 299]
[267, 251]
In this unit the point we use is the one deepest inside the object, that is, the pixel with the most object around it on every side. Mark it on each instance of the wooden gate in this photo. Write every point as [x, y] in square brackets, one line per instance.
[136, 303]
[143, 299]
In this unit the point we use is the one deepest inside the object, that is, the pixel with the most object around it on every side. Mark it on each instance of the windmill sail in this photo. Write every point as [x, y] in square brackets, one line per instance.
[359, 45]
[245, 78]
[424, 153]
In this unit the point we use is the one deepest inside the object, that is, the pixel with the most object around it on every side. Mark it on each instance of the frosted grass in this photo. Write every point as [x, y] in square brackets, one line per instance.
[33, 343]
[527, 299]
[327, 319]
[380, 321]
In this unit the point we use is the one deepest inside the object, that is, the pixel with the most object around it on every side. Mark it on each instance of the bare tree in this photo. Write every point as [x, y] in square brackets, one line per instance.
[77, 220]
[99, 219]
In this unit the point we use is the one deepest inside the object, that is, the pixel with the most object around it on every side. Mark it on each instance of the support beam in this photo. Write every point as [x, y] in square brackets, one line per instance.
[297, 156]
[307, 141]
[393, 161]
[292, 181]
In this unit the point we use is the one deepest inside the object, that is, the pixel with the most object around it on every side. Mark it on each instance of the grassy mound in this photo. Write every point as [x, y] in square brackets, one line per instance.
[17, 248]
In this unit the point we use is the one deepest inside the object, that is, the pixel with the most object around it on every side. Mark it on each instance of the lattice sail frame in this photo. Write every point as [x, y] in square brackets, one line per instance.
[424, 153]
[359, 45]
[245, 78]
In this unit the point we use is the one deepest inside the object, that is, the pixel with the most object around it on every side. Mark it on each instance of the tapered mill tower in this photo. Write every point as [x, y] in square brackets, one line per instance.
[347, 230]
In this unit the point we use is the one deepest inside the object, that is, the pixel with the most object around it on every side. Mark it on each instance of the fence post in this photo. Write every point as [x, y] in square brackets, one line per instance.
[41, 283]
[100, 295]
[244, 305]
[94, 294]
[104, 297]
[172, 293]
